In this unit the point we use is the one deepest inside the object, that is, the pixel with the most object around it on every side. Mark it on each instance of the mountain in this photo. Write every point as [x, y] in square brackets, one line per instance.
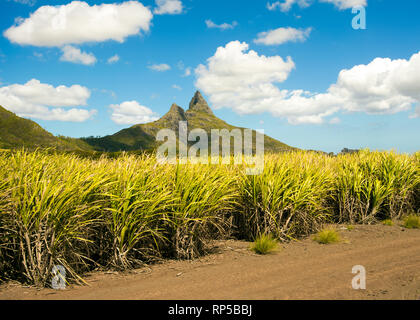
[16, 132]
[199, 115]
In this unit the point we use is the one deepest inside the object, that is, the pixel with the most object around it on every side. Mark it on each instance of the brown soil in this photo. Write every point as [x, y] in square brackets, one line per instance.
[299, 270]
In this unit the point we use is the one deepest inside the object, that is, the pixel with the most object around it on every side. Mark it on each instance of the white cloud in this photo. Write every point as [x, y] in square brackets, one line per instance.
[77, 22]
[223, 26]
[175, 86]
[180, 65]
[131, 112]
[246, 82]
[346, 4]
[335, 120]
[110, 92]
[168, 7]
[114, 59]
[75, 55]
[286, 5]
[34, 99]
[282, 35]
[239, 79]
[159, 67]
[60, 114]
[38, 55]
[416, 113]
[187, 72]
[28, 2]
[35, 92]
[380, 87]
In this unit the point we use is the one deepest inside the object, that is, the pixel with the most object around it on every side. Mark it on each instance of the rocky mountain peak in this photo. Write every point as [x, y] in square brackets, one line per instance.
[198, 103]
[175, 113]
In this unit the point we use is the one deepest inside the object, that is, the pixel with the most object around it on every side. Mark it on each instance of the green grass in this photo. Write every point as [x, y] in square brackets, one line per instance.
[350, 227]
[412, 222]
[388, 222]
[264, 244]
[327, 236]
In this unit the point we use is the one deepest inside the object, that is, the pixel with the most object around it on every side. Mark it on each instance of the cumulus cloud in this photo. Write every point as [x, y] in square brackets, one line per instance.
[237, 78]
[60, 114]
[114, 59]
[282, 35]
[44, 101]
[286, 5]
[247, 83]
[168, 7]
[160, 67]
[223, 26]
[131, 112]
[75, 55]
[77, 22]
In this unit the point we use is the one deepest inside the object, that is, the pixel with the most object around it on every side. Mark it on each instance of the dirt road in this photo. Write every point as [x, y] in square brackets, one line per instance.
[299, 270]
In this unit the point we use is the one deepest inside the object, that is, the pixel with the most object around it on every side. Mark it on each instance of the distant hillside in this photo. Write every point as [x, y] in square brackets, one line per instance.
[143, 136]
[16, 132]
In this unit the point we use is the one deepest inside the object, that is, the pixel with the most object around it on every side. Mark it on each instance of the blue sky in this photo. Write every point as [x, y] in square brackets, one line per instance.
[48, 67]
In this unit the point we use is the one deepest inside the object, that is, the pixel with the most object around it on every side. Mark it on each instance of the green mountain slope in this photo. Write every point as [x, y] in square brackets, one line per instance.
[16, 132]
[142, 136]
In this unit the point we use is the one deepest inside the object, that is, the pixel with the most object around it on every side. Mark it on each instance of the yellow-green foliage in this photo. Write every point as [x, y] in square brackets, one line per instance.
[372, 185]
[289, 199]
[121, 212]
[264, 243]
[388, 222]
[327, 236]
[412, 222]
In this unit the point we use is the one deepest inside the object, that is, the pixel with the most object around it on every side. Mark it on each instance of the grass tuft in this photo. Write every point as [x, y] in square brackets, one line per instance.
[327, 236]
[412, 222]
[264, 244]
[388, 222]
